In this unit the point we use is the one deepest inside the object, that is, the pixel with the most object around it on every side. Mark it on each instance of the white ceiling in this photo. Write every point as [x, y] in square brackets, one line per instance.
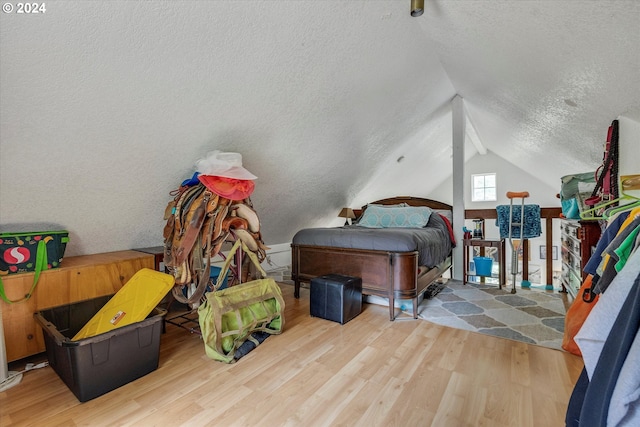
[105, 106]
[518, 64]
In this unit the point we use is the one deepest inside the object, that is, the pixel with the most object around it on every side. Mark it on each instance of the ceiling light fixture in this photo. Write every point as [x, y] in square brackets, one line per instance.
[417, 7]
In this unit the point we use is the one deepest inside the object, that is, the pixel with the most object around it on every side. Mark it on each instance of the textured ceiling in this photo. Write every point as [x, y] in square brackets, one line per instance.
[106, 106]
[519, 66]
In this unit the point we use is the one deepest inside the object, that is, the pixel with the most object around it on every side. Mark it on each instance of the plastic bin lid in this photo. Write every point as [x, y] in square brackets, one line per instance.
[131, 304]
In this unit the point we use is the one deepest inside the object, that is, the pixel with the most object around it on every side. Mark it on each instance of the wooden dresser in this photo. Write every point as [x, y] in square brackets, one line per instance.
[78, 278]
[579, 239]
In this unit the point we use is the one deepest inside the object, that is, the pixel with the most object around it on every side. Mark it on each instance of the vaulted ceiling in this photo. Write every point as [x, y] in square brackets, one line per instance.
[106, 106]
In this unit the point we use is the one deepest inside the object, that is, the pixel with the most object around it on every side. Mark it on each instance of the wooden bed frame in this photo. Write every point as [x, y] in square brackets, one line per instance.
[384, 273]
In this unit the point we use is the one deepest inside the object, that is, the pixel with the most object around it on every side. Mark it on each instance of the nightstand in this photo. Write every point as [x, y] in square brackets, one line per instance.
[469, 244]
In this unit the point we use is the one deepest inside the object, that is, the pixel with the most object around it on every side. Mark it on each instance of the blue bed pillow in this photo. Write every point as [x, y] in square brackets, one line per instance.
[398, 205]
[386, 217]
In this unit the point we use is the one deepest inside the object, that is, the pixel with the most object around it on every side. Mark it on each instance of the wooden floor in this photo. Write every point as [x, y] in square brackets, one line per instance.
[369, 372]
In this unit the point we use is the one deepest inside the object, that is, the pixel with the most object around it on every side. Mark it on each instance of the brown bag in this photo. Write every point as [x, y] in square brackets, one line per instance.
[576, 315]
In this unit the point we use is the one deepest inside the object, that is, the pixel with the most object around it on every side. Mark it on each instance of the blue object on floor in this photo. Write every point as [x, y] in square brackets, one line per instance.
[483, 265]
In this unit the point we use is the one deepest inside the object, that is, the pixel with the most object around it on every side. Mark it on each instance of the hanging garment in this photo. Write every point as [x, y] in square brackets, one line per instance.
[625, 400]
[606, 237]
[606, 340]
[572, 418]
[597, 326]
[622, 252]
[607, 183]
[617, 254]
[585, 300]
[596, 269]
[614, 393]
[576, 315]
[621, 349]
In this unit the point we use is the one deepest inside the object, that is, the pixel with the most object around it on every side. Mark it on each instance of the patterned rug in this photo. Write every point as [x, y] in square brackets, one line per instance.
[533, 316]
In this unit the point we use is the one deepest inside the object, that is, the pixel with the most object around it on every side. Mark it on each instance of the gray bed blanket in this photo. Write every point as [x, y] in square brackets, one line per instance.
[432, 242]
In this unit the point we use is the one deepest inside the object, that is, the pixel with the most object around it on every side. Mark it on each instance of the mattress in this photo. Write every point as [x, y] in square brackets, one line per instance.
[433, 242]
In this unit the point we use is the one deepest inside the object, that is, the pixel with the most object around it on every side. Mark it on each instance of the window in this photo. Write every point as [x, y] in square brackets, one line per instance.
[483, 187]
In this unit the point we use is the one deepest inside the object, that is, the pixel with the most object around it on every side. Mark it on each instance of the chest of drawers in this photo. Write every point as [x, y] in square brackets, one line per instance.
[579, 239]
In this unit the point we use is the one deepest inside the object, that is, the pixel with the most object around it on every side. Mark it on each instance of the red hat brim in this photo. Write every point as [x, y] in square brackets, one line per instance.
[229, 188]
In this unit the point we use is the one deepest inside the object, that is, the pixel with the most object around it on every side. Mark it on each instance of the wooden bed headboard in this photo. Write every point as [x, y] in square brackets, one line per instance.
[411, 201]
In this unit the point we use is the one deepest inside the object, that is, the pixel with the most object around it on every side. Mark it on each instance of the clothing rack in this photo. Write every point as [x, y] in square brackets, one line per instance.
[609, 335]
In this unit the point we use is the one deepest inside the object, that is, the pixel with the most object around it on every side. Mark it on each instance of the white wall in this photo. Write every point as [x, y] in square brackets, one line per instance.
[629, 149]
[509, 178]
[105, 106]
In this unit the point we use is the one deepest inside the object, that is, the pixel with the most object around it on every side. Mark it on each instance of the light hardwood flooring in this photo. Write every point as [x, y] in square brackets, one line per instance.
[369, 372]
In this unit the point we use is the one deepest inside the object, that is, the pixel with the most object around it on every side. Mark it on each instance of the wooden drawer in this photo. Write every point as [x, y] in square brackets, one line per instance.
[79, 278]
[571, 279]
[571, 259]
[578, 240]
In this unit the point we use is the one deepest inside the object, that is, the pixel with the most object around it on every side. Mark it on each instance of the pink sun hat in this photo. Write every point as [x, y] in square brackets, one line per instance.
[224, 174]
[229, 188]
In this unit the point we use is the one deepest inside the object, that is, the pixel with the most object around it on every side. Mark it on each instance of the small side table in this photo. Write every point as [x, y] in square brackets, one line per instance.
[469, 244]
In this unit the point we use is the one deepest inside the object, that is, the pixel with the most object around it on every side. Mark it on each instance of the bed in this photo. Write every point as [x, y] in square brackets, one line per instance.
[394, 263]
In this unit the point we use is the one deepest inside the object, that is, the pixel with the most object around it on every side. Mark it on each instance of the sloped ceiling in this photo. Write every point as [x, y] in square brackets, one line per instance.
[542, 80]
[106, 106]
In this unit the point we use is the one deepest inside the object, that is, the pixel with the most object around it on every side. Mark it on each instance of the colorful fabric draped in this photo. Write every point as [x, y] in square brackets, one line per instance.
[531, 227]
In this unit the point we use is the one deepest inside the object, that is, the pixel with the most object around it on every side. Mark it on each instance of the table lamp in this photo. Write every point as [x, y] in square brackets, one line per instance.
[348, 214]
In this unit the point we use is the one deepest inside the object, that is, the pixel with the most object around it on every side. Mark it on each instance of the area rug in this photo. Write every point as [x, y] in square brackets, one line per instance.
[530, 315]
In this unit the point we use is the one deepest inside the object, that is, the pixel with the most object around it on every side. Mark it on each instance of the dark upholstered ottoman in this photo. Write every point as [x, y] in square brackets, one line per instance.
[336, 297]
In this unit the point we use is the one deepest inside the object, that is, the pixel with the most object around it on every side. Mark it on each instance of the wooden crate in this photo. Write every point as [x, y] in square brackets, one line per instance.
[79, 278]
